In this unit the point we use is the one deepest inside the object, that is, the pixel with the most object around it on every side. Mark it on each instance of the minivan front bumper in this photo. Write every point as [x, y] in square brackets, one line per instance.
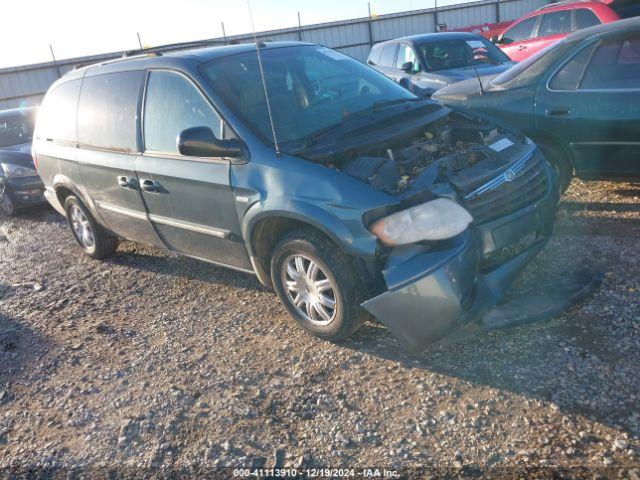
[25, 191]
[436, 291]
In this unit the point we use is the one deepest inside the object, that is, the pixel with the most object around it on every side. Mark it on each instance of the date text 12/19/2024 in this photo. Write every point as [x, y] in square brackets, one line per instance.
[316, 473]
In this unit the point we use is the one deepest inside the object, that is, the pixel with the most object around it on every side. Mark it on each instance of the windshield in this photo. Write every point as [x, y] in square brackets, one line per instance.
[310, 89]
[15, 130]
[460, 53]
[528, 70]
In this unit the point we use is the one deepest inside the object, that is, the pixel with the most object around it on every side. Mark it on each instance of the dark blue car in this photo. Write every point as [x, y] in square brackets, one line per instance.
[20, 185]
[425, 63]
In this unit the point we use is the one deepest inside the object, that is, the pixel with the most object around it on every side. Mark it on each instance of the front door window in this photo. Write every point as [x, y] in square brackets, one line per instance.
[173, 104]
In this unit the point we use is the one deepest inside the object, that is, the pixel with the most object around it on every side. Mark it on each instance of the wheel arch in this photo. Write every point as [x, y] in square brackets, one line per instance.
[263, 227]
[550, 140]
[63, 186]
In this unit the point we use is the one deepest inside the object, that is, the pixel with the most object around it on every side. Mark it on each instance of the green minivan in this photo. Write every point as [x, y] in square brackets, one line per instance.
[348, 195]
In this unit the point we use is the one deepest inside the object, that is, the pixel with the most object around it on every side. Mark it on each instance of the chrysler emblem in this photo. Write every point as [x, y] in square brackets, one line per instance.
[509, 175]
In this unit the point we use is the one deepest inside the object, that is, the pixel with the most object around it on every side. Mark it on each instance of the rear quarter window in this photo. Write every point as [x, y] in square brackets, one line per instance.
[374, 56]
[57, 115]
[568, 77]
[107, 111]
[614, 66]
[554, 23]
[585, 18]
[388, 55]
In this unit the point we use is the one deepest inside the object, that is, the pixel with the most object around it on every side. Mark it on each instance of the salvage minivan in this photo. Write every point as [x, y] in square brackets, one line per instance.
[345, 193]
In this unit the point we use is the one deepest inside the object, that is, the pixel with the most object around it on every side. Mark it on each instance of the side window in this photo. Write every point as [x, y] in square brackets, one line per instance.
[374, 56]
[568, 77]
[57, 116]
[554, 23]
[614, 65]
[585, 18]
[388, 54]
[521, 31]
[107, 110]
[406, 54]
[173, 104]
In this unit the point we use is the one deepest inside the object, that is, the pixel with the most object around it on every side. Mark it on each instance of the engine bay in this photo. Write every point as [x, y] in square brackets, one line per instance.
[455, 149]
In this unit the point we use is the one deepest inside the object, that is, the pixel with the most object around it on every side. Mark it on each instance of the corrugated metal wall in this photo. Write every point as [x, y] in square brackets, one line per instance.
[26, 85]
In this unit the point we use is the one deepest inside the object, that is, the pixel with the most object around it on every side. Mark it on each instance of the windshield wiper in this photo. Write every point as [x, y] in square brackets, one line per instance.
[371, 110]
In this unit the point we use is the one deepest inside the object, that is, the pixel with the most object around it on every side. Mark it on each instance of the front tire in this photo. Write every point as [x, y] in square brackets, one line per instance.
[94, 240]
[558, 161]
[7, 206]
[318, 285]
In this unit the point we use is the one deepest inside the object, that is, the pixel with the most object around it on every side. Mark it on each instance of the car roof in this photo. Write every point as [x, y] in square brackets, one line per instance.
[179, 59]
[433, 37]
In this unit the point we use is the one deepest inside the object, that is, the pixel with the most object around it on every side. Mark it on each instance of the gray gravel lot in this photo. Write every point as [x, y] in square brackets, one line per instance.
[150, 360]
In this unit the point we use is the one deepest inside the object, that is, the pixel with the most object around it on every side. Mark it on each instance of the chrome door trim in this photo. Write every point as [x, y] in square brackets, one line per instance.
[122, 211]
[193, 227]
[218, 264]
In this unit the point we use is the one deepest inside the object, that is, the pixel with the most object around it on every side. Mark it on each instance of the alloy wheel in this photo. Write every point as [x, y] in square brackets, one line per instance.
[82, 228]
[309, 289]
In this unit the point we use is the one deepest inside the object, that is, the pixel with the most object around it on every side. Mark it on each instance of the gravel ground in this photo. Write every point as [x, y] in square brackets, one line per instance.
[150, 360]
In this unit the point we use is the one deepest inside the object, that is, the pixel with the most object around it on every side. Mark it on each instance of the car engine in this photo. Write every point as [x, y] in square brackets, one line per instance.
[455, 149]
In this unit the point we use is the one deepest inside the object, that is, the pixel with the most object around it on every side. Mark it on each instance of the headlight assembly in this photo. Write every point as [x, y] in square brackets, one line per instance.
[13, 171]
[435, 220]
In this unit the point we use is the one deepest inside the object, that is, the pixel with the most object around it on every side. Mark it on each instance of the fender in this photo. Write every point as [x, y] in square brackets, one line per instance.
[61, 180]
[550, 139]
[313, 215]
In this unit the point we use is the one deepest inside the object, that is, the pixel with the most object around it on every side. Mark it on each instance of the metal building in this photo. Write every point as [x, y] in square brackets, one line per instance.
[26, 85]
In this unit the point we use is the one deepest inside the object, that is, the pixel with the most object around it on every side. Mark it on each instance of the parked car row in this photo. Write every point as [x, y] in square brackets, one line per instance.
[579, 99]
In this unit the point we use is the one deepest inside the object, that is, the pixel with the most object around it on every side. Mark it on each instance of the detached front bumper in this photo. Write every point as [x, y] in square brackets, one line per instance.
[433, 291]
[25, 191]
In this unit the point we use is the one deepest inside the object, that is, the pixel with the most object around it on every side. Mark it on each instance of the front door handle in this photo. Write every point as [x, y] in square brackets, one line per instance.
[150, 186]
[129, 183]
[522, 47]
[558, 112]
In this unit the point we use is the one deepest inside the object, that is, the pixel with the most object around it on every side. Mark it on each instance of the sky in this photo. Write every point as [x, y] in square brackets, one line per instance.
[86, 27]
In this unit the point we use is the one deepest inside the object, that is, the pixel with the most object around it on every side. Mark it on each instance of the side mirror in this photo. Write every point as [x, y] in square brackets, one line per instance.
[201, 142]
[407, 67]
[494, 39]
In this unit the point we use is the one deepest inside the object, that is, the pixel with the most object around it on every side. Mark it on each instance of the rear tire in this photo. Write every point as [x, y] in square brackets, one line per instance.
[7, 206]
[318, 285]
[94, 240]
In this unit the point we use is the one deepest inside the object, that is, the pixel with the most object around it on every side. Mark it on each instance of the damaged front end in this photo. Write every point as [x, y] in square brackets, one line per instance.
[433, 286]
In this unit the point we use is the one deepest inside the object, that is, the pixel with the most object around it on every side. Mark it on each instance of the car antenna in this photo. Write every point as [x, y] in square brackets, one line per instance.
[264, 82]
[478, 77]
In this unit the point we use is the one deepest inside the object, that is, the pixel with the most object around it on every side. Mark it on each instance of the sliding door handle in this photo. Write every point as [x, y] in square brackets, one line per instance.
[150, 186]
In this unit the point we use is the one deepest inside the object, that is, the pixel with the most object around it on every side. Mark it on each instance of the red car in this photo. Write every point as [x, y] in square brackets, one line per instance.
[487, 30]
[552, 22]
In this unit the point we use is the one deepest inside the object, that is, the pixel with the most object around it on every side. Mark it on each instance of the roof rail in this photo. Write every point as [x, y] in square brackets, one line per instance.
[170, 47]
[559, 4]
